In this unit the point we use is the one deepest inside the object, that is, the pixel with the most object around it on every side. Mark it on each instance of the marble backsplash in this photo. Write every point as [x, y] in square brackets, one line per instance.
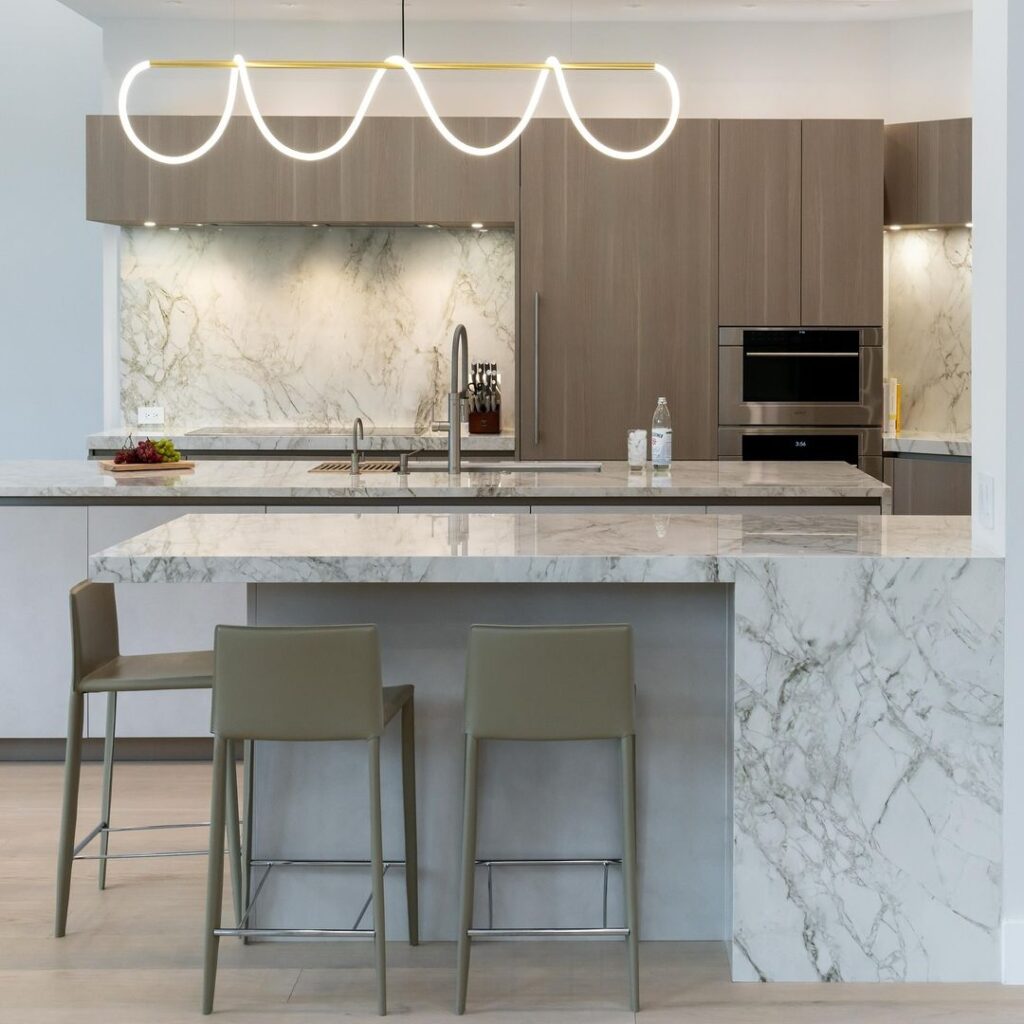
[928, 318]
[258, 326]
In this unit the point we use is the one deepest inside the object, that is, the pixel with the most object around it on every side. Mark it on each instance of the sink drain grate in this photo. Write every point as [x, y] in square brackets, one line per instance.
[364, 467]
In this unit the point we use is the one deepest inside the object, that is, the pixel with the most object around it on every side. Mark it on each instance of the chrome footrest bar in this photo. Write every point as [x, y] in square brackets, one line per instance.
[492, 862]
[296, 933]
[292, 862]
[144, 856]
[101, 830]
[580, 933]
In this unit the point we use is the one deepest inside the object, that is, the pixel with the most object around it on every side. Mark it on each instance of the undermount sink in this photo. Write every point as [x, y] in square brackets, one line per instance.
[469, 466]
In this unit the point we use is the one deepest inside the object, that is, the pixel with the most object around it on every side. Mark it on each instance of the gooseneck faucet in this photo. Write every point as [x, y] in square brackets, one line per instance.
[357, 436]
[457, 398]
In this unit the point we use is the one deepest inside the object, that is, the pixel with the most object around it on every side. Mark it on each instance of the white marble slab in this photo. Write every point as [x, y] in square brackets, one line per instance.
[928, 339]
[924, 442]
[268, 325]
[509, 548]
[867, 716]
[280, 479]
[301, 439]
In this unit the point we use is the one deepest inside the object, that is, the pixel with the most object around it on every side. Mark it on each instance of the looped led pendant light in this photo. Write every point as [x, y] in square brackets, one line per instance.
[239, 69]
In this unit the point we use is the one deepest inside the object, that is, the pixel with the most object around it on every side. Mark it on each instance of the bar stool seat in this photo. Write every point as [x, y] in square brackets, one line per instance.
[294, 684]
[183, 670]
[99, 667]
[549, 683]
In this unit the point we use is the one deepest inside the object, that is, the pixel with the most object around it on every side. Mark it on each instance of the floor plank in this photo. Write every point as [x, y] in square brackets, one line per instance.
[132, 953]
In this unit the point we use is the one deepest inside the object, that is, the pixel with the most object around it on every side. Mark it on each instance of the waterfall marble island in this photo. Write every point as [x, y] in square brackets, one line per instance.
[819, 721]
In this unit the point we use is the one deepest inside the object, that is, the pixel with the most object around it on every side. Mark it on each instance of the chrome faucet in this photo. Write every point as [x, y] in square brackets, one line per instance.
[357, 435]
[457, 398]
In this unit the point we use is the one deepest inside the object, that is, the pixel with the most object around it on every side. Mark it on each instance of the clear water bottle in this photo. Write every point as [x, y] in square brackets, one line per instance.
[661, 438]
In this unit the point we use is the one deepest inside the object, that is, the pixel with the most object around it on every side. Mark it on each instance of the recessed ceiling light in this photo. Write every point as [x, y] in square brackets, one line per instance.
[149, 223]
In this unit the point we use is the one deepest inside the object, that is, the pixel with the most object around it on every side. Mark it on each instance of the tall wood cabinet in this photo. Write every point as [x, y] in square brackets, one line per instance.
[928, 172]
[801, 223]
[618, 289]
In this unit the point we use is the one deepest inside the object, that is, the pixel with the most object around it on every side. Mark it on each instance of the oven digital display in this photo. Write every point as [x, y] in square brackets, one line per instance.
[798, 447]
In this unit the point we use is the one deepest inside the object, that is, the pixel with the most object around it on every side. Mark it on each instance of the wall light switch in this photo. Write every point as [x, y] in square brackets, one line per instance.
[151, 416]
[986, 501]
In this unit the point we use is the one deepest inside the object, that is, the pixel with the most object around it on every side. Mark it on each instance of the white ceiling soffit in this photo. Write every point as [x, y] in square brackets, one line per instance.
[519, 10]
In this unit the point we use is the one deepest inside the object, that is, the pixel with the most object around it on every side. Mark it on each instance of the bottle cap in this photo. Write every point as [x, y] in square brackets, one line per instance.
[663, 400]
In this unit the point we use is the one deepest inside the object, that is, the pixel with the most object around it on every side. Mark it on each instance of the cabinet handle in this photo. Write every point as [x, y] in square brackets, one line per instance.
[536, 368]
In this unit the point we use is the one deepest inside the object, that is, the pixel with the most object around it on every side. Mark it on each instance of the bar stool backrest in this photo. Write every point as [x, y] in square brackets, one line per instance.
[297, 683]
[94, 640]
[550, 682]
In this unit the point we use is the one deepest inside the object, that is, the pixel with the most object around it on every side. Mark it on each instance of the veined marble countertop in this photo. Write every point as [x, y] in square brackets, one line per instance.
[281, 479]
[924, 442]
[301, 439]
[866, 698]
[511, 548]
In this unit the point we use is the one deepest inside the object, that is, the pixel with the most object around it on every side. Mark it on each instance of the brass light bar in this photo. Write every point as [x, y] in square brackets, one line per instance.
[370, 65]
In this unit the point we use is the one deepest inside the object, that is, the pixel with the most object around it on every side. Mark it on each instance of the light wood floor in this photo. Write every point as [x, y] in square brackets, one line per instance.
[131, 955]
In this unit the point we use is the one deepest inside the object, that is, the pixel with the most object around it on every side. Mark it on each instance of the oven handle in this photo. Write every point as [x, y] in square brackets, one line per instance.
[805, 355]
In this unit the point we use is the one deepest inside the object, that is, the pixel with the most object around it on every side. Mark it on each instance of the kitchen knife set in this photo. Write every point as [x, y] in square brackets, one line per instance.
[484, 399]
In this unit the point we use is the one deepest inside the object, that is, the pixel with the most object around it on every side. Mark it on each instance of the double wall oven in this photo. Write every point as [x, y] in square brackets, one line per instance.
[801, 393]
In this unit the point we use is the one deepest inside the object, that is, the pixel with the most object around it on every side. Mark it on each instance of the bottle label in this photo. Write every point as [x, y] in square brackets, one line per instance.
[661, 446]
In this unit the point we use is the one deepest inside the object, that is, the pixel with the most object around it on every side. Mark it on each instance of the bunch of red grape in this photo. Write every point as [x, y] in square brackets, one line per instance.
[147, 451]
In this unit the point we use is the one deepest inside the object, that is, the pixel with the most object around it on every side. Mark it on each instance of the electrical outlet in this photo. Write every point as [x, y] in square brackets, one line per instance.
[151, 416]
[986, 501]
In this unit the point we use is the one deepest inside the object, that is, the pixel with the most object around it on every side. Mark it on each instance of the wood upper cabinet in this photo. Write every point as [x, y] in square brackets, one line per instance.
[759, 223]
[396, 170]
[618, 289]
[841, 224]
[928, 172]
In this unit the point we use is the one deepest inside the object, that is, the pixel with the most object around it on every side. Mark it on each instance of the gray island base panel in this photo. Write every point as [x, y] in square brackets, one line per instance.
[820, 720]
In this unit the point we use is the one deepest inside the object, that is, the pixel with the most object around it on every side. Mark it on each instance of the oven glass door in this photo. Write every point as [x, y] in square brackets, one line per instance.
[800, 447]
[801, 366]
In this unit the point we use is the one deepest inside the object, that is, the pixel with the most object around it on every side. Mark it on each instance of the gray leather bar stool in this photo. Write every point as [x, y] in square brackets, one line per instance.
[549, 683]
[99, 667]
[305, 684]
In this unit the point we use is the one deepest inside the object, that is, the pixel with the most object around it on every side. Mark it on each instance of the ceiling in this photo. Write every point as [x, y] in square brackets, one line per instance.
[519, 10]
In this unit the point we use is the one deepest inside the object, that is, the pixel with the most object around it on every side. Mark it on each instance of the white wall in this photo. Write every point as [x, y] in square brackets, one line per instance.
[900, 70]
[50, 277]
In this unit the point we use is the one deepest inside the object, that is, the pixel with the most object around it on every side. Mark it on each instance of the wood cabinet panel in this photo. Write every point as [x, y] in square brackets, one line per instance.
[397, 170]
[944, 171]
[622, 257]
[759, 223]
[841, 265]
[921, 486]
[901, 159]
[452, 187]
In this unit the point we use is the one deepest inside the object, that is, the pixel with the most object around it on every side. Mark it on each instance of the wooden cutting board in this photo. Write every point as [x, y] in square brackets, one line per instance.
[144, 467]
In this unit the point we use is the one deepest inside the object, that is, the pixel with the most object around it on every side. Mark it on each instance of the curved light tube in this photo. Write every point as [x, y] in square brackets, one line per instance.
[618, 154]
[163, 158]
[298, 154]
[432, 113]
[240, 71]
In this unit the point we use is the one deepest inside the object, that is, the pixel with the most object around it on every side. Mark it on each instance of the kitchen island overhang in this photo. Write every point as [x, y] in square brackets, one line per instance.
[861, 683]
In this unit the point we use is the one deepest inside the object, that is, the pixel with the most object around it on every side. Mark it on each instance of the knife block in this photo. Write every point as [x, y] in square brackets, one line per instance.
[485, 422]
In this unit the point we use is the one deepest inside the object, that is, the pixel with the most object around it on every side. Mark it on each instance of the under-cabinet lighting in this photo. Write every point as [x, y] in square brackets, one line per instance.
[969, 224]
[174, 229]
[149, 223]
[476, 225]
[895, 227]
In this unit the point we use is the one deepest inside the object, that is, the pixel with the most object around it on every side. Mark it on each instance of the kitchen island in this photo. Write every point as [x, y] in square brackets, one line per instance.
[819, 720]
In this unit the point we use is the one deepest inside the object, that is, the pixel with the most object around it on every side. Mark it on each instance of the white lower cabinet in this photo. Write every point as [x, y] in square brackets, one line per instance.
[42, 556]
[159, 617]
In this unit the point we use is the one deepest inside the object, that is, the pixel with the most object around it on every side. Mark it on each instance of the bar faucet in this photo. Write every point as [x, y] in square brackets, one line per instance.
[357, 435]
[456, 398]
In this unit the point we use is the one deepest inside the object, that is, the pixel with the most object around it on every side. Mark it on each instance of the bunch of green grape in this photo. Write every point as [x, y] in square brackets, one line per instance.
[165, 446]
